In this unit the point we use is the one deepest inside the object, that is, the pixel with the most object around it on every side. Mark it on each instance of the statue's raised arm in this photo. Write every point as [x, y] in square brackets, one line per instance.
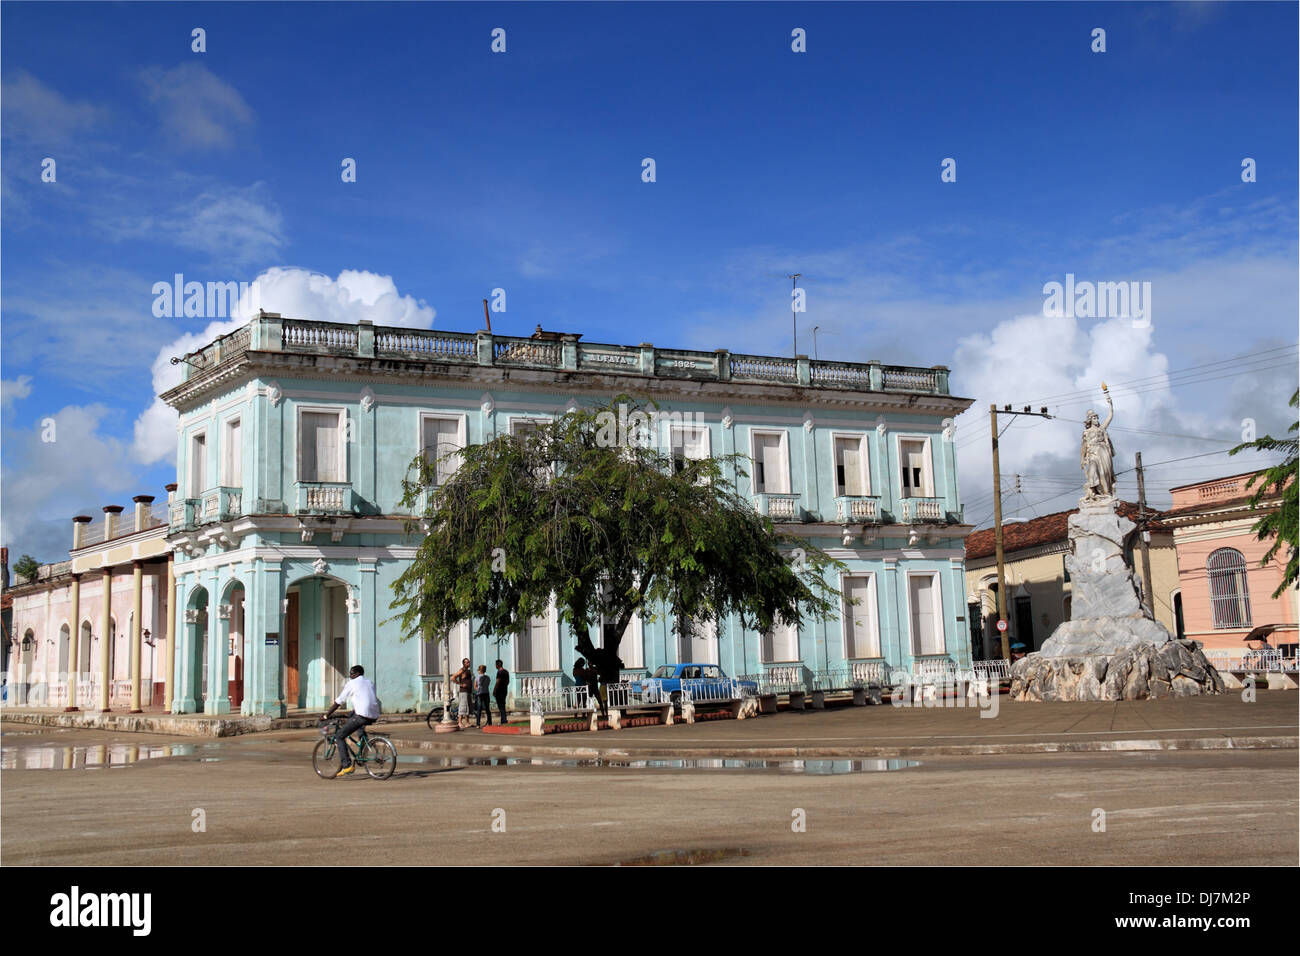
[1110, 415]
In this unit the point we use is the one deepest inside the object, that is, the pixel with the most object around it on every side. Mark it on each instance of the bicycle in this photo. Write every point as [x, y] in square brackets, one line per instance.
[434, 716]
[376, 754]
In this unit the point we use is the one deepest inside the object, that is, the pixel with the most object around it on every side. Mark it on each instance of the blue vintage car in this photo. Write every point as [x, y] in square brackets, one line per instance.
[667, 679]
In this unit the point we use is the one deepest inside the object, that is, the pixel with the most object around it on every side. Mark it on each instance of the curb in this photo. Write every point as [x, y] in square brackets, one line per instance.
[847, 753]
[183, 726]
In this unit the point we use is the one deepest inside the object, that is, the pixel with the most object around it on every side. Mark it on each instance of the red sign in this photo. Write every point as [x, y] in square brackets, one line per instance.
[1002, 625]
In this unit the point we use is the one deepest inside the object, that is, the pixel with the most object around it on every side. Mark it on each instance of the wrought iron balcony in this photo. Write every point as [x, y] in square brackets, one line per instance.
[325, 497]
[854, 509]
[778, 507]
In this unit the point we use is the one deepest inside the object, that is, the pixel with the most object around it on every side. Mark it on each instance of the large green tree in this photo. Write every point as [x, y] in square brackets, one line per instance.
[1278, 482]
[584, 509]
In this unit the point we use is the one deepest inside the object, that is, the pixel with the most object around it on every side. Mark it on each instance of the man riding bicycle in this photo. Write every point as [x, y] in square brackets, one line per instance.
[365, 711]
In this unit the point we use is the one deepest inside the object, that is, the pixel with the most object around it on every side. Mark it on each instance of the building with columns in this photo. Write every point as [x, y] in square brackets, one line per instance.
[295, 435]
[94, 632]
[1224, 588]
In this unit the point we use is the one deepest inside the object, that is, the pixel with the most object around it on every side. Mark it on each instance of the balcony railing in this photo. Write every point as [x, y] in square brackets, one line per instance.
[850, 509]
[273, 333]
[921, 510]
[325, 497]
[222, 504]
[183, 514]
[778, 507]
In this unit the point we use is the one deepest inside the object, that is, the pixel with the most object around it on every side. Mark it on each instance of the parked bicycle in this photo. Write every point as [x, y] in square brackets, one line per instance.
[376, 754]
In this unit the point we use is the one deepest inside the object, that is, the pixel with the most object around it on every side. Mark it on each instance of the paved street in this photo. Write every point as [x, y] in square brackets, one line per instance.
[262, 804]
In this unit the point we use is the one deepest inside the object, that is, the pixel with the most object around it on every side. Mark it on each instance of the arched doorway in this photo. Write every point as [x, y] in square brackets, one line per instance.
[85, 690]
[194, 666]
[317, 637]
[232, 633]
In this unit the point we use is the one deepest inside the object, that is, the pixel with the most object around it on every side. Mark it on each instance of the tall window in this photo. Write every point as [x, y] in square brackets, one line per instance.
[927, 628]
[631, 648]
[1229, 595]
[697, 642]
[536, 648]
[780, 644]
[771, 466]
[320, 449]
[440, 440]
[688, 444]
[233, 456]
[850, 466]
[915, 469]
[861, 634]
[198, 465]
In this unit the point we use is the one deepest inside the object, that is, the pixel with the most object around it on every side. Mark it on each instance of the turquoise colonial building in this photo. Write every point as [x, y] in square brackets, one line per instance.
[294, 437]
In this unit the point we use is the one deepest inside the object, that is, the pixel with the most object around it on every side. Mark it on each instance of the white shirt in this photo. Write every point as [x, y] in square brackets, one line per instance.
[364, 701]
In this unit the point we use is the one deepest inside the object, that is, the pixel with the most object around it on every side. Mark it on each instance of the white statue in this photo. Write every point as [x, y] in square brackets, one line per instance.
[1097, 454]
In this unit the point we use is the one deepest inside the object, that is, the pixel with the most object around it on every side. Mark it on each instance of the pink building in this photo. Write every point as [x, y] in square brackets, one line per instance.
[1224, 592]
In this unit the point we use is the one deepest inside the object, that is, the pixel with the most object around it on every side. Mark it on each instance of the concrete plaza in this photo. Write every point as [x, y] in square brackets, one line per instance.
[260, 803]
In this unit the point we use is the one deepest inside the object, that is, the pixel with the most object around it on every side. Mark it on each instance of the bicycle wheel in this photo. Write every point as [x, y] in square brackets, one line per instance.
[325, 760]
[434, 716]
[380, 758]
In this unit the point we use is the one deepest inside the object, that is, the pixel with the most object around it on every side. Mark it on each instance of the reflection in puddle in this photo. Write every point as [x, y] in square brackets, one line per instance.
[86, 758]
[810, 766]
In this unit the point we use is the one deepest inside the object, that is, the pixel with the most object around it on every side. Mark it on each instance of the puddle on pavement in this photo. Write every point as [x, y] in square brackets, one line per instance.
[91, 757]
[685, 857]
[809, 766]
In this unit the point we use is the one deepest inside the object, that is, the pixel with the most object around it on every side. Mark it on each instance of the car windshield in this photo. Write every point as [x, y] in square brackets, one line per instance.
[667, 670]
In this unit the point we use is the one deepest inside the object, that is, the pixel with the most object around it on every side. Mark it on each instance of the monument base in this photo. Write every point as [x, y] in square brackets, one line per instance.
[1146, 670]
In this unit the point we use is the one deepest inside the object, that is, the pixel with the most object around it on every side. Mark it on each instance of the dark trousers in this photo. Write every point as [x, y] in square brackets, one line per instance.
[484, 709]
[351, 725]
[501, 705]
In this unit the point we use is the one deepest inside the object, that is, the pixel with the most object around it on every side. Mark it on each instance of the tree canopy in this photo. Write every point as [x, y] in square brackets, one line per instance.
[1278, 481]
[590, 511]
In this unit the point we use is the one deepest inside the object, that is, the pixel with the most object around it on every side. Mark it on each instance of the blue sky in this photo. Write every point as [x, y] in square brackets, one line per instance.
[522, 170]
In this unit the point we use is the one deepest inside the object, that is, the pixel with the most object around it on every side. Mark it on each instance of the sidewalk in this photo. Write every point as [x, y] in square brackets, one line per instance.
[1191, 723]
[154, 720]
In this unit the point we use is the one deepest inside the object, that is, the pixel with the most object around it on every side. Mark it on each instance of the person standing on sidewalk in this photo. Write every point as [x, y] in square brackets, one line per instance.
[481, 685]
[500, 689]
[464, 680]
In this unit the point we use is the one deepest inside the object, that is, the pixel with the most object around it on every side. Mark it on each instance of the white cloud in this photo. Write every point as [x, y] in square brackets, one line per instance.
[239, 225]
[12, 390]
[292, 292]
[197, 108]
[46, 483]
[35, 112]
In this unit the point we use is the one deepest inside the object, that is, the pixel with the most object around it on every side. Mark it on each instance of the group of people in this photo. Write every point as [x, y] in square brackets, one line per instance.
[474, 690]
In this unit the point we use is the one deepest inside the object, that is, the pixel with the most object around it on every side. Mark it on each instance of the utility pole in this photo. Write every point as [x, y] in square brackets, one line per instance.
[997, 518]
[997, 535]
[1143, 535]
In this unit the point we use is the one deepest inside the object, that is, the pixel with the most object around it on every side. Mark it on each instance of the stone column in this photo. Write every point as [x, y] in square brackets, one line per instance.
[264, 664]
[218, 701]
[105, 627]
[137, 651]
[74, 653]
[169, 652]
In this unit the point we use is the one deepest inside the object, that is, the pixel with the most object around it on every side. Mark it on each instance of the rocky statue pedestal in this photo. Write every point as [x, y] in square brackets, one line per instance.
[1112, 648]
